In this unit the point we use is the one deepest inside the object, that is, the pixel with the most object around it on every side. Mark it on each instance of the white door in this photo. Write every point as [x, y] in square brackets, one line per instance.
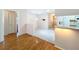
[10, 22]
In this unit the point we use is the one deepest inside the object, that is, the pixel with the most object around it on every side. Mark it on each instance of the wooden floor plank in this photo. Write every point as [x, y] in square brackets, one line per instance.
[26, 42]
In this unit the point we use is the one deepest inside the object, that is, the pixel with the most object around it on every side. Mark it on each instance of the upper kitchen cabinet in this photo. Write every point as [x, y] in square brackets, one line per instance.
[68, 21]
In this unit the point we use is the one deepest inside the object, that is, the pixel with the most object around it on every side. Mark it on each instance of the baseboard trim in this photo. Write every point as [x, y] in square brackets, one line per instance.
[59, 47]
[9, 34]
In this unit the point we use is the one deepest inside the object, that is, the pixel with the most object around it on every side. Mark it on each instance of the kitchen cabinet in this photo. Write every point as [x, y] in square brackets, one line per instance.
[68, 21]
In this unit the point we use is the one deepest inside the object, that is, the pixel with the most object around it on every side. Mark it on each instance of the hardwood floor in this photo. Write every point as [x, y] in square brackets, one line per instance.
[1, 46]
[25, 42]
[11, 42]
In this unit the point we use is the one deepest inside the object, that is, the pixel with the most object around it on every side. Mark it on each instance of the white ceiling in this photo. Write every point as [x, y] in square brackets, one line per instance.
[40, 11]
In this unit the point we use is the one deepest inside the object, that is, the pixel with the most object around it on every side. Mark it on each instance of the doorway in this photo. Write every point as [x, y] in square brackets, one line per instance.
[9, 22]
[10, 29]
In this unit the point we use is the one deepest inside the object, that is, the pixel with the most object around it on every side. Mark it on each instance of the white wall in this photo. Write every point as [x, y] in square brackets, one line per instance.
[34, 20]
[43, 24]
[30, 20]
[21, 20]
[67, 38]
[26, 22]
[31, 23]
[1, 25]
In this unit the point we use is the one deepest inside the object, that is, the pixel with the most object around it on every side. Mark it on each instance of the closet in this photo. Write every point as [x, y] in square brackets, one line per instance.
[9, 22]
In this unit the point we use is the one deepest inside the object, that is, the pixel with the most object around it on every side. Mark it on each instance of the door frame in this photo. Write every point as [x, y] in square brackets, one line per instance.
[4, 21]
